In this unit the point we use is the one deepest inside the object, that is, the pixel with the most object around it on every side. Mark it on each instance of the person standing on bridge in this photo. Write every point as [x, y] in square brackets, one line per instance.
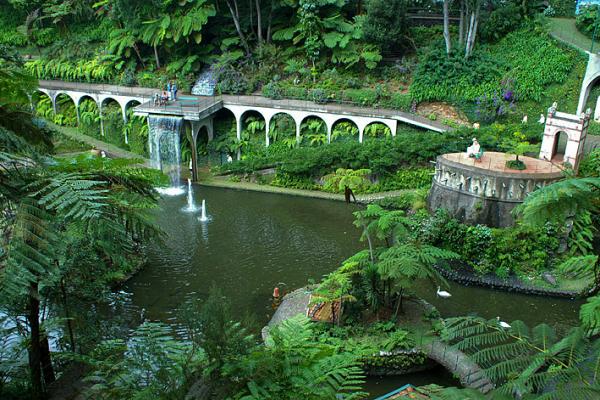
[174, 89]
[169, 90]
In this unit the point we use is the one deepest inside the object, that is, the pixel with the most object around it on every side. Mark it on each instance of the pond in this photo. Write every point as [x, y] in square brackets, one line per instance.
[256, 241]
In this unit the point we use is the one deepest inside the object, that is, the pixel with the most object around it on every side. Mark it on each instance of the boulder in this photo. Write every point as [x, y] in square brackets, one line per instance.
[548, 277]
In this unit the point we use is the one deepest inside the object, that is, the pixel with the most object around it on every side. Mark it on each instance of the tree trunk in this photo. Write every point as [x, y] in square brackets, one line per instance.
[270, 21]
[139, 55]
[67, 315]
[447, 26]
[46, 360]
[398, 304]
[156, 57]
[258, 21]
[461, 24]
[472, 31]
[34, 352]
[236, 22]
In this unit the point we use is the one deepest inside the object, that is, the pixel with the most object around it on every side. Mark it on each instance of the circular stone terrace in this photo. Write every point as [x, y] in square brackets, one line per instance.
[493, 161]
[485, 191]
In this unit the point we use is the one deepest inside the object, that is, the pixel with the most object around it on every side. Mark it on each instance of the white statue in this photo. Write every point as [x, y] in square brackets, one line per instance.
[474, 149]
[542, 119]
[524, 120]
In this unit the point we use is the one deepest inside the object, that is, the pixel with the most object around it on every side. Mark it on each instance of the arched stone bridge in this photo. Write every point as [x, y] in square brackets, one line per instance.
[199, 110]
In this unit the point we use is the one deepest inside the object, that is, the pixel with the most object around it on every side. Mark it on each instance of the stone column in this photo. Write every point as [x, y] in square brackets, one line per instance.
[101, 119]
[267, 126]
[298, 132]
[193, 137]
[238, 128]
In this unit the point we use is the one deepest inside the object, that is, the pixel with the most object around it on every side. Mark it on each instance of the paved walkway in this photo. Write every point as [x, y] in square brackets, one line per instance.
[457, 362]
[564, 30]
[110, 149]
[223, 182]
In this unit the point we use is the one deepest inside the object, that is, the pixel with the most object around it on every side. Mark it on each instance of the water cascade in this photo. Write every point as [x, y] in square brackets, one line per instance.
[165, 151]
[191, 207]
[203, 217]
[206, 83]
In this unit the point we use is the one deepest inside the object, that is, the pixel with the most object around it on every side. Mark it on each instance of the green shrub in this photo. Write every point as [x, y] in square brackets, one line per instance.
[590, 166]
[356, 180]
[586, 20]
[503, 20]
[361, 96]
[563, 8]
[272, 91]
[291, 182]
[410, 178]
[399, 101]
[520, 250]
[442, 78]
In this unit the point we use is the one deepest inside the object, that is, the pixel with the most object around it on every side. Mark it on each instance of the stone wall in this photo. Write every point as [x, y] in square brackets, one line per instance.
[476, 195]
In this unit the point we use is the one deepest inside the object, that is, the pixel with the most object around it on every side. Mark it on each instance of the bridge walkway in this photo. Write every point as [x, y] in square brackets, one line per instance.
[205, 105]
[470, 374]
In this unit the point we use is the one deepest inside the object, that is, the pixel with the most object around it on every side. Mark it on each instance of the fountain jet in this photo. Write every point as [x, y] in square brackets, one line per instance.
[191, 207]
[203, 217]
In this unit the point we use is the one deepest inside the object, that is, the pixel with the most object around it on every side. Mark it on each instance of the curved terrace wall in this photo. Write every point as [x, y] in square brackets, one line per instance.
[485, 192]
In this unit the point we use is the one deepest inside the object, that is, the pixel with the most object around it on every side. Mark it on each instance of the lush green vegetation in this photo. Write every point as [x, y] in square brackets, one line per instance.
[393, 163]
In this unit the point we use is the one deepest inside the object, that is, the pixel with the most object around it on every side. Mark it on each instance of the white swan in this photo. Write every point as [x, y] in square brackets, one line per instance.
[503, 324]
[443, 294]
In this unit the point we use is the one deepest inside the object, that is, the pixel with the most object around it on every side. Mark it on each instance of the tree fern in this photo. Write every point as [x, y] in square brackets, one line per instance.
[559, 200]
[530, 363]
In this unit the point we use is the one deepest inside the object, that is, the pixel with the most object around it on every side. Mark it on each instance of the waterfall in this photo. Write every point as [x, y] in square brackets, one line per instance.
[164, 146]
[206, 83]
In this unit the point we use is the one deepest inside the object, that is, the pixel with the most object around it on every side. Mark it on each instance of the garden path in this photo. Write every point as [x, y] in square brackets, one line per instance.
[110, 149]
[564, 30]
[224, 182]
[470, 374]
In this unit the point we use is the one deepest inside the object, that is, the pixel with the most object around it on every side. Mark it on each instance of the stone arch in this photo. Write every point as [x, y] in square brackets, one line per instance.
[273, 122]
[559, 146]
[592, 76]
[372, 124]
[37, 96]
[88, 97]
[128, 105]
[106, 102]
[64, 115]
[326, 127]
[336, 135]
[257, 115]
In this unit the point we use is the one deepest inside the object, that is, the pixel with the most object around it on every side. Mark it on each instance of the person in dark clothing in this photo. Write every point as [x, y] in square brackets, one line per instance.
[347, 193]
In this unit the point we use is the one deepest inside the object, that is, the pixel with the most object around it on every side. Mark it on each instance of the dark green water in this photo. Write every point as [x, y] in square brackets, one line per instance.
[255, 241]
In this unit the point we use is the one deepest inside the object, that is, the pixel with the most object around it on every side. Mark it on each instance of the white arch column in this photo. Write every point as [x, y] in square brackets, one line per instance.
[238, 111]
[193, 136]
[267, 114]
